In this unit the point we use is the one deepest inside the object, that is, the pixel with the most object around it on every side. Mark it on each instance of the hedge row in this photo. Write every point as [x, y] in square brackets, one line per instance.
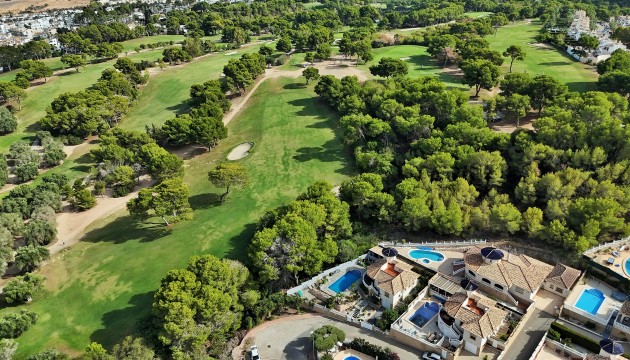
[576, 338]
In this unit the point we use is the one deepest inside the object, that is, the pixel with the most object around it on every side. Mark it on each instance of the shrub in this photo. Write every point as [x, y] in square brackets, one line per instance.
[22, 288]
[575, 337]
[281, 60]
[8, 122]
[326, 337]
[15, 324]
[365, 347]
[83, 200]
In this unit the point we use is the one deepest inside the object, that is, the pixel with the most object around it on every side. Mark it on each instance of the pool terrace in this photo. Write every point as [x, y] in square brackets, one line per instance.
[436, 259]
[342, 281]
[420, 319]
[581, 305]
[614, 256]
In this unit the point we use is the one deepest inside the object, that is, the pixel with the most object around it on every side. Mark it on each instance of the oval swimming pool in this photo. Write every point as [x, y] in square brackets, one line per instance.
[626, 266]
[351, 357]
[426, 254]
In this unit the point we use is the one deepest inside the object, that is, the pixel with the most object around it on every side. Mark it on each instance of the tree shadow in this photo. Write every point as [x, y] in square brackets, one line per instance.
[126, 228]
[180, 108]
[204, 201]
[293, 86]
[118, 324]
[582, 86]
[555, 63]
[239, 243]
[328, 152]
[299, 348]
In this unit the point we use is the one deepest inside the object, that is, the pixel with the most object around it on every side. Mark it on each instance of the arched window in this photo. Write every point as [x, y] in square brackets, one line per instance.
[486, 281]
[498, 287]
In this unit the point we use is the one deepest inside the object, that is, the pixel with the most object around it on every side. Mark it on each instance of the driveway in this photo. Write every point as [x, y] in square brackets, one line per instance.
[290, 338]
[526, 341]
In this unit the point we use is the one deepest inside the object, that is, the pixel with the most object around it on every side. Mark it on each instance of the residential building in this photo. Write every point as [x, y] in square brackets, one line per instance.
[389, 279]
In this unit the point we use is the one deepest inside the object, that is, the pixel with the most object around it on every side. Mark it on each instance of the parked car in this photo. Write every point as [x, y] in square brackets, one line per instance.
[431, 356]
[254, 353]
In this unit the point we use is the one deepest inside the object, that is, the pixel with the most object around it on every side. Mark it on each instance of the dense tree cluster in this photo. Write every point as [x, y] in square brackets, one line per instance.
[296, 240]
[203, 125]
[615, 73]
[429, 161]
[15, 324]
[241, 73]
[97, 109]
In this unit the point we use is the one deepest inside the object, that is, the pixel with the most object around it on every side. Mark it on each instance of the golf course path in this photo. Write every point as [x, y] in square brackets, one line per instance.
[71, 225]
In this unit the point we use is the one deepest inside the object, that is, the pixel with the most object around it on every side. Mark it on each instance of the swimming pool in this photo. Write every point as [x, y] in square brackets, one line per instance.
[351, 357]
[626, 266]
[345, 281]
[426, 254]
[425, 313]
[590, 301]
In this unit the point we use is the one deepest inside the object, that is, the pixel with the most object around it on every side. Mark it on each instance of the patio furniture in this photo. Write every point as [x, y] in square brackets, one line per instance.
[610, 261]
[616, 253]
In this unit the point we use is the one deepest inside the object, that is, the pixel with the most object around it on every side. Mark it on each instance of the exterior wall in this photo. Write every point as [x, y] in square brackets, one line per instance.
[417, 344]
[568, 311]
[387, 302]
[526, 296]
[474, 340]
[556, 289]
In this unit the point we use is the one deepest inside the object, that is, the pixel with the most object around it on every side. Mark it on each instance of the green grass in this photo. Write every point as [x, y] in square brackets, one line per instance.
[104, 284]
[419, 61]
[542, 60]
[40, 96]
[477, 14]
[167, 91]
[130, 45]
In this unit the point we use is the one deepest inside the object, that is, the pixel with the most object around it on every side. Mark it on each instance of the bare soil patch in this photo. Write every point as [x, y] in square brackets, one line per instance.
[40, 5]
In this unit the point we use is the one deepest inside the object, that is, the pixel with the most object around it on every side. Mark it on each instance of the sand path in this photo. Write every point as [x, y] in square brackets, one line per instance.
[71, 225]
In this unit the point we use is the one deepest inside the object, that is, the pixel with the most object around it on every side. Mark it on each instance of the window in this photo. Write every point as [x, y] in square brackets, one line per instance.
[486, 281]
[386, 294]
[471, 273]
[498, 287]
[519, 290]
[551, 287]
[472, 337]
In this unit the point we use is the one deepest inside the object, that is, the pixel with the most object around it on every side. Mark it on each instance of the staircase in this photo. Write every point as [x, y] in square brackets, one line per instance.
[610, 324]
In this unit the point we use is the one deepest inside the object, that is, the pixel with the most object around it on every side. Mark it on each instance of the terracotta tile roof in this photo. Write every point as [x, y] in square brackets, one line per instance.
[392, 278]
[625, 309]
[520, 270]
[481, 317]
[564, 276]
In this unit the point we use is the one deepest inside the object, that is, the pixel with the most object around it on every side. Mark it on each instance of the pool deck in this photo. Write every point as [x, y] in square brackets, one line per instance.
[607, 307]
[349, 352]
[445, 266]
[601, 257]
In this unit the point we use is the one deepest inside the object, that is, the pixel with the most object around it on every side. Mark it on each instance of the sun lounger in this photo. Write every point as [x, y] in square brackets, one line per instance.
[611, 261]
[616, 253]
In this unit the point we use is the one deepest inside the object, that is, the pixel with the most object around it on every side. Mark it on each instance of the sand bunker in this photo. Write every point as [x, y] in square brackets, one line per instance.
[240, 151]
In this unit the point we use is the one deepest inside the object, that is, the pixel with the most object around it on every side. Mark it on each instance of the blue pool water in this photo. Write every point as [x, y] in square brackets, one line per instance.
[425, 313]
[351, 357]
[426, 254]
[626, 266]
[590, 301]
[345, 281]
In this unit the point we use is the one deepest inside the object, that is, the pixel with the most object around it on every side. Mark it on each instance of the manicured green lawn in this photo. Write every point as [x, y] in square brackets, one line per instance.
[167, 91]
[419, 61]
[130, 45]
[40, 96]
[542, 59]
[477, 14]
[104, 284]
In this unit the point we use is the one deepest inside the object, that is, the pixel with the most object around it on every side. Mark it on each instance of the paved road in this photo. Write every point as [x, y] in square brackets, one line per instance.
[525, 342]
[290, 339]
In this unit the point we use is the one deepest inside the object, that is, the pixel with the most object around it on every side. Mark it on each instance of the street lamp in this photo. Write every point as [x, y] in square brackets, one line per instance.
[313, 343]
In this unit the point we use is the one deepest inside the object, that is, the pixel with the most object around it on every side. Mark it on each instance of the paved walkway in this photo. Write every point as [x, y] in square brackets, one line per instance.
[526, 341]
[289, 338]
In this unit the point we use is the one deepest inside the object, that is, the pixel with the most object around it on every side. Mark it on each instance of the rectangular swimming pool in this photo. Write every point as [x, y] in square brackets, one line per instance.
[345, 281]
[590, 301]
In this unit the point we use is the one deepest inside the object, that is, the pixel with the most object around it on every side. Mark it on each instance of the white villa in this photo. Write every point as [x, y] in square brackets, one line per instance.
[389, 279]
[516, 278]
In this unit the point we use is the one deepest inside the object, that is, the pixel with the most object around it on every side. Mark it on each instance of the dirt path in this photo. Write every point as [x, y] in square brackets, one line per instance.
[71, 225]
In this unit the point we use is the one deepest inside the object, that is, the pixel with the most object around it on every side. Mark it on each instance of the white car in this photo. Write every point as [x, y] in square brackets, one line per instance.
[431, 356]
[254, 353]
